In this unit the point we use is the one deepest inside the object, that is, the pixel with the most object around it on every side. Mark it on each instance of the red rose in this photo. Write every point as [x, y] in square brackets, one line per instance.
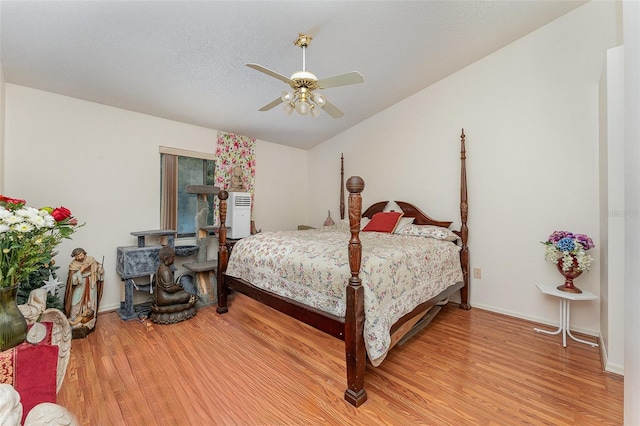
[61, 213]
[9, 200]
[73, 222]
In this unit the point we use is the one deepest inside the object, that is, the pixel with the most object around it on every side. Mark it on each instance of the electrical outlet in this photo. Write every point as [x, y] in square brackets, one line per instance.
[477, 273]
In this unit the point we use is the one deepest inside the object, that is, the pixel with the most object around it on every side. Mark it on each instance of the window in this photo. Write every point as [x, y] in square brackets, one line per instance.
[179, 168]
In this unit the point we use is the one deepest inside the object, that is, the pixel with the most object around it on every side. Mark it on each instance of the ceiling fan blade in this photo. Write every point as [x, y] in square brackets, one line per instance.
[271, 73]
[332, 110]
[353, 77]
[272, 104]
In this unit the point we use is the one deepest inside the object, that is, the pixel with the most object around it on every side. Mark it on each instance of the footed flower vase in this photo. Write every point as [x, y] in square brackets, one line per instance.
[13, 326]
[569, 275]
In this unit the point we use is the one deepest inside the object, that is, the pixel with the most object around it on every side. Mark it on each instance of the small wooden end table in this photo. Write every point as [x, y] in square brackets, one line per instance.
[565, 299]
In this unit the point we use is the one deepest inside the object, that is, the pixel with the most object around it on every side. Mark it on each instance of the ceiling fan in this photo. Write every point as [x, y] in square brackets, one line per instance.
[304, 98]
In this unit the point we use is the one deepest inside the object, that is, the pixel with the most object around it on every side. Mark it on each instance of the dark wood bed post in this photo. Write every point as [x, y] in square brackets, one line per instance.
[464, 230]
[341, 186]
[356, 356]
[223, 254]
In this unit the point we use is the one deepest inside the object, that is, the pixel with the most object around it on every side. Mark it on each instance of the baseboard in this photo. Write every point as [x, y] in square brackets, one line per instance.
[614, 369]
[110, 307]
[554, 324]
[606, 365]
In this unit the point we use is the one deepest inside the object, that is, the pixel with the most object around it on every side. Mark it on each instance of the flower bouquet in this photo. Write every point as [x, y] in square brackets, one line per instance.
[568, 251]
[28, 239]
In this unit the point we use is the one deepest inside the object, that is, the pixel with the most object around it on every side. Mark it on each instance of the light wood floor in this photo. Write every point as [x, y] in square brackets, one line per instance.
[255, 366]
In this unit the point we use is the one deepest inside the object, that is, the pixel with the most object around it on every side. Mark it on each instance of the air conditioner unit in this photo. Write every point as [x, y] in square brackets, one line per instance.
[239, 215]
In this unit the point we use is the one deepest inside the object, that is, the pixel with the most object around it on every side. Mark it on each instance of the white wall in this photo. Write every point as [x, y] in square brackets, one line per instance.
[281, 187]
[2, 107]
[104, 164]
[631, 16]
[530, 112]
[612, 233]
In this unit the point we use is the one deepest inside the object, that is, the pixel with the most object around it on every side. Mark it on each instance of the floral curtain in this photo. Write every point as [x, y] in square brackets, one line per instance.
[231, 151]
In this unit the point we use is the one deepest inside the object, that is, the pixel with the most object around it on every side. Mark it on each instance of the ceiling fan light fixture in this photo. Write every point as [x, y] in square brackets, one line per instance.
[302, 107]
[288, 108]
[303, 84]
[286, 96]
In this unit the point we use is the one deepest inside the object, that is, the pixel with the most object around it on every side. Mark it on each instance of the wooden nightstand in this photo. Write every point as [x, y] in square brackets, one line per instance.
[565, 299]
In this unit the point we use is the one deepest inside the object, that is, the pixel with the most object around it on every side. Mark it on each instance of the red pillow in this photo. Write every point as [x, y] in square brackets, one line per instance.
[383, 222]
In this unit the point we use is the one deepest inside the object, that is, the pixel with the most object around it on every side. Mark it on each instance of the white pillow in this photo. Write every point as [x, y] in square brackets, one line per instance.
[429, 231]
[404, 221]
[363, 222]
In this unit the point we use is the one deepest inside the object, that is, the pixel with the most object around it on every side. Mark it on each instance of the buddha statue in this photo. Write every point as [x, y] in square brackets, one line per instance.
[172, 303]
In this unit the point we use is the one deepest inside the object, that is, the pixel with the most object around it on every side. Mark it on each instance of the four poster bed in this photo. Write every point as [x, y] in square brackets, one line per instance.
[367, 288]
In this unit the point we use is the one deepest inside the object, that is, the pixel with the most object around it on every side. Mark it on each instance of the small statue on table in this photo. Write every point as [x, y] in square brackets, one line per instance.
[83, 293]
[328, 221]
[172, 303]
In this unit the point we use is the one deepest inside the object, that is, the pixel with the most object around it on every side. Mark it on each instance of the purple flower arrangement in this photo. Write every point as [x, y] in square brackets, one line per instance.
[567, 246]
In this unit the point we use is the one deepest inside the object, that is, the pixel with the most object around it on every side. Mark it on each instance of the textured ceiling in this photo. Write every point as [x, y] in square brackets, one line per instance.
[185, 60]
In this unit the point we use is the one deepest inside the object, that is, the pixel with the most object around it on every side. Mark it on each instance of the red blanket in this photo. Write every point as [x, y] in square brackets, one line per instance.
[31, 370]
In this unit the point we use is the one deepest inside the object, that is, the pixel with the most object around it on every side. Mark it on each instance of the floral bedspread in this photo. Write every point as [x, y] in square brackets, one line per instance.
[398, 272]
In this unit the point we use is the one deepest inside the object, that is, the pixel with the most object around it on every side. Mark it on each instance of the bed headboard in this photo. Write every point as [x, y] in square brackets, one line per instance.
[420, 218]
[412, 211]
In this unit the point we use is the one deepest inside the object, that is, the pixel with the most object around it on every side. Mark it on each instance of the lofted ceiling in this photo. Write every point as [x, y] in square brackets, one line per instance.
[185, 60]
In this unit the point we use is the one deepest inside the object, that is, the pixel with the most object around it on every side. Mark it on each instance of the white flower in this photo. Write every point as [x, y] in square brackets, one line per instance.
[24, 212]
[13, 219]
[23, 227]
[38, 221]
[584, 262]
[551, 254]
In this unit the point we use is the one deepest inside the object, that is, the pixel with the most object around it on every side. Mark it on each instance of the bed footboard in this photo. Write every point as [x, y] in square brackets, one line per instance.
[464, 229]
[223, 255]
[356, 355]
